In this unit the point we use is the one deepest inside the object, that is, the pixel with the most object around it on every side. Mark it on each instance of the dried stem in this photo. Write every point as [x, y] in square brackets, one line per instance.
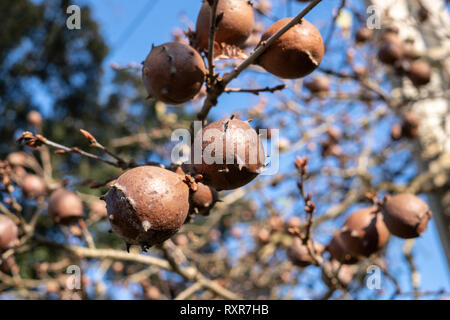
[415, 275]
[211, 39]
[87, 235]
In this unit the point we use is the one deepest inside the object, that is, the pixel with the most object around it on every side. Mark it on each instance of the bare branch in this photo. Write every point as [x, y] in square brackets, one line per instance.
[211, 39]
[37, 140]
[256, 91]
[190, 272]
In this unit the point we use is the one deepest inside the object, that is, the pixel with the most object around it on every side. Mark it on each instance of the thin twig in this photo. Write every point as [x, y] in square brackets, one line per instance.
[87, 235]
[333, 24]
[188, 292]
[256, 91]
[211, 39]
[37, 140]
[415, 275]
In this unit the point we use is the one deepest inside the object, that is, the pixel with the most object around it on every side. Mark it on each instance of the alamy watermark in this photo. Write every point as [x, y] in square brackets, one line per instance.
[73, 281]
[373, 19]
[74, 20]
[373, 280]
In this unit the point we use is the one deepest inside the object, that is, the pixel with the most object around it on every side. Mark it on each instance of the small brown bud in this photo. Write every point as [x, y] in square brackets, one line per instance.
[88, 136]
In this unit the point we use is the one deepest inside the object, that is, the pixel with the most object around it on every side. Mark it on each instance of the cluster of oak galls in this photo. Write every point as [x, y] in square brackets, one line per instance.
[400, 55]
[147, 205]
[365, 232]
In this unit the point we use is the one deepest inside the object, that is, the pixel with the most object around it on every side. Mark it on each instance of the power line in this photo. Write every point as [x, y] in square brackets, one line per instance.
[135, 23]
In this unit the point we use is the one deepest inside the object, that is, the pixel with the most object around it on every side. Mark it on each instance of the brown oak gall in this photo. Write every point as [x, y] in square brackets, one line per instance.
[33, 186]
[396, 132]
[410, 125]
[203, 199]
[419, 73]
[294, 222]
[97, 209]
[297, 53]
[173, 72]
[409, 128]
[318, 85]
[263, 236]
[17, 159]
[363, 34]
[364, 232]
[147, 205]
[390, 52]
[234, 26]
[64, 207]
[299, 254]
[231, 154]
[339, 251]
[8, 233]
[406, 215]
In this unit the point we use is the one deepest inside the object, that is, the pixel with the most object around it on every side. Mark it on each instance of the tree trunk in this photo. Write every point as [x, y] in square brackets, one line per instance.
[432, 39]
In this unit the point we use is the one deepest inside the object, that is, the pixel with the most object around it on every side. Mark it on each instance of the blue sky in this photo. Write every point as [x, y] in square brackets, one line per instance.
[130, 41]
